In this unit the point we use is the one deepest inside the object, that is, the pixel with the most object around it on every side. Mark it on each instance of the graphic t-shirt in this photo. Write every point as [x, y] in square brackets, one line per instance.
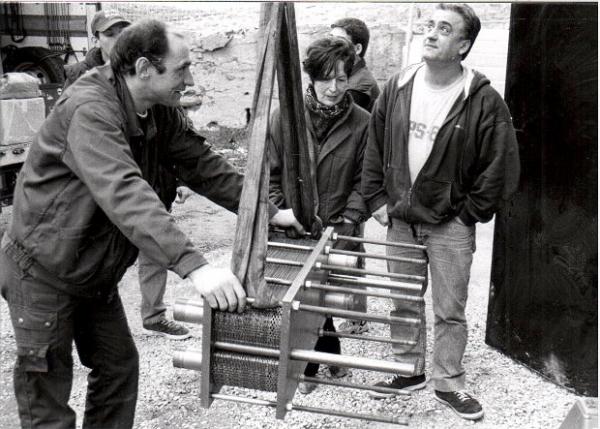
[428, 110]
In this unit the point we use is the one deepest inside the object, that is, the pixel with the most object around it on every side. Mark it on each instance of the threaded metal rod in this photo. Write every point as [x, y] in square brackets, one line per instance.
[279, 261]
[360, 271]
[340, 383]
[293, 407]
[277, 281]
[321, 358]
[323, 333]
[335, 236]
[280, 245]
[377, 283]
[402, 368]
[355, 291]
[356, 315]
[376, 256]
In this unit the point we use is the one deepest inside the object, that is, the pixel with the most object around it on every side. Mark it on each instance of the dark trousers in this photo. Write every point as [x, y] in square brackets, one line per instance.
[46, 322]
[324, 344]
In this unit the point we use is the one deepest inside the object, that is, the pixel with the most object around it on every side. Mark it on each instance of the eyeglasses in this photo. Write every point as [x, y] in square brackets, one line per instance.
[444, 29]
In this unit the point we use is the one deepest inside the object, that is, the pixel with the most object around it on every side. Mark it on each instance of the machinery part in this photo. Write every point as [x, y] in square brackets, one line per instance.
[253, 372]
[268, 349]
[291, 407]
[341, 383]
[341, 289]
[377, 283]
[253, 327]
[332, 251]
[393, 367]
[359, 271]
[243, 370]
[41, 63]
[323, 333]
[356, 315]
[335, 237]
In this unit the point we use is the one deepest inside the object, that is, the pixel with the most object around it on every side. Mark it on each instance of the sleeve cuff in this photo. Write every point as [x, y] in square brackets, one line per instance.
[189, 263]
[354, 215]
[377, 202]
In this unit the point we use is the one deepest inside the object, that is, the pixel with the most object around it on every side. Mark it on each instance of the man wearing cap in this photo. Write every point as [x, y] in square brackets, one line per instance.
[105, 29]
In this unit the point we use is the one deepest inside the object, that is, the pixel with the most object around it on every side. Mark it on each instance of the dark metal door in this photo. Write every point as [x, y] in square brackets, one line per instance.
[543, 308]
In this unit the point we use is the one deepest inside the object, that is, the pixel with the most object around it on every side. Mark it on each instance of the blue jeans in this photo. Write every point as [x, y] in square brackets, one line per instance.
[449, 253]
[46, 322]
[153, 283]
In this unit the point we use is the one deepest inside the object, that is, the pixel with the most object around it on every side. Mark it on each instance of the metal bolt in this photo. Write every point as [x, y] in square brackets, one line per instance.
[47, 324]
[20, 320]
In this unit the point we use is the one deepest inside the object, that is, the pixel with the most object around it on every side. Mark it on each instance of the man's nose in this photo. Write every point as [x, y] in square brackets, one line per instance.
[431, 32]
[333, 85]
[188, 79]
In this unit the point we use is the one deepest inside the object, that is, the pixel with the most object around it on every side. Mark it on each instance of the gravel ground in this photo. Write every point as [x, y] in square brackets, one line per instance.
[512, 395]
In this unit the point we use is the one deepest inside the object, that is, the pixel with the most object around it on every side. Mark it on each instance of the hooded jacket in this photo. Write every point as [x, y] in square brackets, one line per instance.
[473, 166]
[86, 197]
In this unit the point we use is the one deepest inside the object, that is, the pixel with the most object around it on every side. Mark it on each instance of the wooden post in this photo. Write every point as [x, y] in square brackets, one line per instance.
[300, 161]
[250, 246]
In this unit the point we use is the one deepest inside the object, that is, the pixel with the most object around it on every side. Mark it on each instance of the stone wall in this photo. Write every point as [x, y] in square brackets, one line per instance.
[225, 69]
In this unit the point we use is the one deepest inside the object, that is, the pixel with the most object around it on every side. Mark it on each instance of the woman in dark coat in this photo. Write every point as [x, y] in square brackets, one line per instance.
[337, 131]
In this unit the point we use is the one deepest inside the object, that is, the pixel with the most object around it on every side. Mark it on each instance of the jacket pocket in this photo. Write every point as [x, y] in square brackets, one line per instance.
[435, 195]
[396, 187]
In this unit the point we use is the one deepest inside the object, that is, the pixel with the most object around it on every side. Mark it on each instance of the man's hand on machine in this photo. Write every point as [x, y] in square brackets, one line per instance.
[286, 219]
[220, 287]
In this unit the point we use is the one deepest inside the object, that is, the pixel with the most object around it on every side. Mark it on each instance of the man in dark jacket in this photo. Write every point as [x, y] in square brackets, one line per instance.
[105, 29]
[152, 277]
[362, 85]
[85, 201]
[441, 156]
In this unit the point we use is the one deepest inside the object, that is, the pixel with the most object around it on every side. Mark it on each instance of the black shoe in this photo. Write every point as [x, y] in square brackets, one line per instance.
[463, 404]
[401, 383]
[169, 329]
[338, 371]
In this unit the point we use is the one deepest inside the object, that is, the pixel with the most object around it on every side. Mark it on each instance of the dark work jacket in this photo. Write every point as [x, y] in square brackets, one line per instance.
[166, 183]
[84, 200]
[473, 166]
[337, 163]
[363, 86]
[73, 71]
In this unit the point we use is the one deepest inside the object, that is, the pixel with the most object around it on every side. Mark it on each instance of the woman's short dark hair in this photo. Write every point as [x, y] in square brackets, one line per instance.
[471, 20]
[322, 57]
[146, 38]
[357, 30]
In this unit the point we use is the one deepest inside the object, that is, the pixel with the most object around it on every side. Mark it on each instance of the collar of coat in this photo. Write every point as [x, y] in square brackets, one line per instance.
[472, 76]
[134, 128]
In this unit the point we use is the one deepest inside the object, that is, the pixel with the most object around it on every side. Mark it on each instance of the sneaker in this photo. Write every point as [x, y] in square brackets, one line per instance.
[169, 329]
[353, 327]
[338, 371]
[463, 404]
[401, 383]
[306, 387]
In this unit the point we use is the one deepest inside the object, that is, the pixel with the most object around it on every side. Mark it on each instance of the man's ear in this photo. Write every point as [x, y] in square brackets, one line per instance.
[142, 67]
[465, 45]
[358, 47]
